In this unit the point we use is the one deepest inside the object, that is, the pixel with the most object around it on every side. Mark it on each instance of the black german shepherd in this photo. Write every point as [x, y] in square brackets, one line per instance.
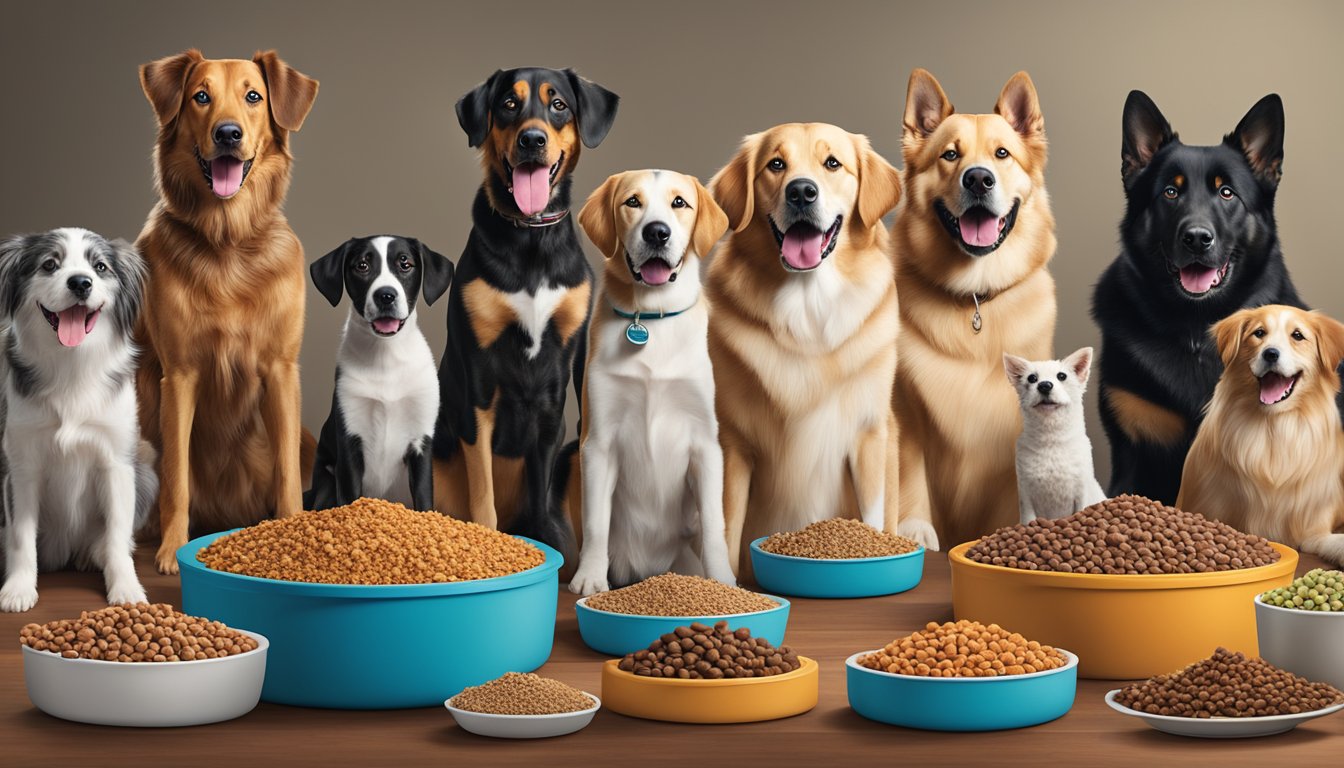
[1199, 243]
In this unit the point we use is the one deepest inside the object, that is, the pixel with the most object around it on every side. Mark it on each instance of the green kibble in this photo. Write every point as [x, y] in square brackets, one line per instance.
[1316, 590]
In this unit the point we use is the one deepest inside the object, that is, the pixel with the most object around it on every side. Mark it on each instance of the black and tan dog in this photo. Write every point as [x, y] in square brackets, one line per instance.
[519, 306]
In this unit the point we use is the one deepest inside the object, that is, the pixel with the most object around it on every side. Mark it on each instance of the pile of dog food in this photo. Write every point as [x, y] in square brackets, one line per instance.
[672, 594]
[1316, 590]
[1228, 684]
[140, 632]
[1124, 535]
[370, 541]
[522, 694]
[698, 652]
[837, 539]
[963, 649]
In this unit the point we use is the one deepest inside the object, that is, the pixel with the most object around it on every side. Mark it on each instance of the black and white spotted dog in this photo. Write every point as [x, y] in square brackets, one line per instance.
[377, 440]
[79, 478]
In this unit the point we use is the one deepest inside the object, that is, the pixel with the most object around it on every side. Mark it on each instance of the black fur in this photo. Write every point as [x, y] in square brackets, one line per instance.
[1155, 333]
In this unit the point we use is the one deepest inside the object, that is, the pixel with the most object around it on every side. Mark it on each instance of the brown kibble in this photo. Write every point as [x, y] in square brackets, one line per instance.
[143, 632]
[836, 539]
[672, 594]
[522, 694]
[936, 651]
[734, 654]
[1229, 685]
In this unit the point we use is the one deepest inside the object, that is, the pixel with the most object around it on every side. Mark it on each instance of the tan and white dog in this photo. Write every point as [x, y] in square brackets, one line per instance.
[973, 237]
[650, 460]
[804, 333]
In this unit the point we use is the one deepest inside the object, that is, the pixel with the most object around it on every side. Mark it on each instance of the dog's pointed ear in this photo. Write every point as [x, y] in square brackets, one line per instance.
[11, 253]
[1016, 367]
[1021, 107]
[1228, 333]
[926, 107]
[437, 271]
[598, 217]
[710, 221]
[1329, 340]
[1080, 363]
[473, 111]
[164, 80]
[596, 110]
[734, 186]
[1259, 136]
[1145, 131]
[328, 273]
[291, 92]
[879, 184]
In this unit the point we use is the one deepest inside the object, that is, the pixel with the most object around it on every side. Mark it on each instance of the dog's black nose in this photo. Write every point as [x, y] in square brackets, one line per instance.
[801, 193]
[657, 233]
[228, 135]
[80, 285]
[385, 297]
[532, 138]
[978, 180]
[1197, 239]
[1044, 386]
[1271, 355]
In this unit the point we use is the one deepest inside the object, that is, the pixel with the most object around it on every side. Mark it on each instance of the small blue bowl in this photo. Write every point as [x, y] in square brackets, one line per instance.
[330, 642]
[848, 577]
[961, 703]
[617, 634]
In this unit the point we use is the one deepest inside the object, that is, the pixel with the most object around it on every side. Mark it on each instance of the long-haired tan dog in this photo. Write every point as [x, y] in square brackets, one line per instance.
[803, 337]
[223, 317]
[1269, 454]
[972, 236]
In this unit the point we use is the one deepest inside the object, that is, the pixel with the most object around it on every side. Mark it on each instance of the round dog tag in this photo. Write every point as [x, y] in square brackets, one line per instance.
[637, 334]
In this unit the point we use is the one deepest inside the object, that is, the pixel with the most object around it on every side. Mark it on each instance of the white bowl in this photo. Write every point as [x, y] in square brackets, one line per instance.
[524, 726]
[1221, 727]
[1306, 643]
[150, 694]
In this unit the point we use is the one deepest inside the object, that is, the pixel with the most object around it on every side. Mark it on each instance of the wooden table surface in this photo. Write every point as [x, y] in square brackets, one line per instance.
[1091, 734]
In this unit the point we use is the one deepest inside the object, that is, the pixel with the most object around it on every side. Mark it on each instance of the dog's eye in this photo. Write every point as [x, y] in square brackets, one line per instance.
[50, 265]
[405, 264]
[632, 202]
[775, 165]
[511, 104]
[1226, 192]
[201, 98]
[1000, 153]
[361, 267]
[253, 97]
[678, 202]
[1061, 376]
[950, 155]
[1031, 378]
[1258, 333]
[100, 267]
[1170, 192]
[1297, 336]
[559, 106]
[832, 163]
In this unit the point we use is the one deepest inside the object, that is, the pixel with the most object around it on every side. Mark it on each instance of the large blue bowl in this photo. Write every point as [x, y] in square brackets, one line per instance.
[344, 646]
[962, 703]
[848, 577]
[617, 634]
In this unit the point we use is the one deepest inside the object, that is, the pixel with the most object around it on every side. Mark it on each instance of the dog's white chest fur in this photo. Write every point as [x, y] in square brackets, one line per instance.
[533, 312]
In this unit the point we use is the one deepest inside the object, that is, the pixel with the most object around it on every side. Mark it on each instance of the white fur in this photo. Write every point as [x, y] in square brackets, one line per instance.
[534, 311]
[1055, 477]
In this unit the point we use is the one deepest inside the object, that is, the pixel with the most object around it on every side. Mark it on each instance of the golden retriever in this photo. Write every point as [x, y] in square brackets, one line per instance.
[803, 335]
[223, 315]
[1269, 454]
[972, 237]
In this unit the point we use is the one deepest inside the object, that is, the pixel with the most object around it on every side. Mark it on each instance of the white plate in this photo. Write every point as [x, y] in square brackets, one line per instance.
[524, 726]
[1221, 727]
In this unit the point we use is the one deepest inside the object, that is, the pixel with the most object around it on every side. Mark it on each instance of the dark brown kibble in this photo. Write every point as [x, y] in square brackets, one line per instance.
[1228, 684]
[136, 633]
[731, 654]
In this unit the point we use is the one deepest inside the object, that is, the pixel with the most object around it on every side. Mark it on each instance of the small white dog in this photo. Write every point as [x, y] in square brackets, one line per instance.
[650, 458]
[1055, 477]
[80, 479]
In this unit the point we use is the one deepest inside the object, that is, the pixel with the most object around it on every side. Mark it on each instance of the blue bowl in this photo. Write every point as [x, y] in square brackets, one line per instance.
[330, 643]
[617, 634]
[848, 577]
[961, 703]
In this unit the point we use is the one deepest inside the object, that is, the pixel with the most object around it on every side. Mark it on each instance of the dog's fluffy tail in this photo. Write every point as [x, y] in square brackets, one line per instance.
[551, 525]
[146, 482]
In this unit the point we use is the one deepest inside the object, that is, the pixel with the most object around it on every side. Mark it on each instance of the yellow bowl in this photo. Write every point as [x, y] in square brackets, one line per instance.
[1122, 627]
[741, 700]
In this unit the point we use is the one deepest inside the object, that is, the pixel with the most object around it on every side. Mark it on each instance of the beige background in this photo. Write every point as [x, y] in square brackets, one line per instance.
[382, 152]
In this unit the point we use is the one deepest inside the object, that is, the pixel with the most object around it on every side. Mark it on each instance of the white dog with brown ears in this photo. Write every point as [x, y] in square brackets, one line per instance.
[650, 461]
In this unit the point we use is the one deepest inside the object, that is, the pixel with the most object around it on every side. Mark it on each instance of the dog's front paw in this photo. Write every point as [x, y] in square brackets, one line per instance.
[16, 599]
[166, 560]
[921, 532]
[722, 573]
[588, 581]
[126, 594]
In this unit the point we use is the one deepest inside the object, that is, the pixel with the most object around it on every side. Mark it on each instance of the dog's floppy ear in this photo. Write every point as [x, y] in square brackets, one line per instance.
[1145, 132]
[596, 110]
[598, 217]
[1080, 363]
[1329, 340]
[710, 221]
[328, 273]
[734, 186]
[926, 107]
[163, 81]
[437, 269]
[1228, 333]
[11, 253]
[291, 92]
[1259, 136]
[1019, 105]
[1015, 367]
[879, 184]
[131, 272]
[473, 111]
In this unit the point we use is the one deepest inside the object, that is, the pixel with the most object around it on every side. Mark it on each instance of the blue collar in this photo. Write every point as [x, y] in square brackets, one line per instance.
[637, 316]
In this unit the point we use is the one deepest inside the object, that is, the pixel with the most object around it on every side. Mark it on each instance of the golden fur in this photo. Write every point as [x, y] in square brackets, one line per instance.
[223, 318]
[1274, 470]
[959, 422]
[804, 363]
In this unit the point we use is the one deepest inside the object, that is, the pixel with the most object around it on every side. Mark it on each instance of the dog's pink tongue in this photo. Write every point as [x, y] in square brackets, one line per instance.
[655, 271]
[801, 248]
[1198, 278]
[979, 227]
[531, 188]
[70, 326]
[226, 175]
[1273, 387]
[387, 325]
